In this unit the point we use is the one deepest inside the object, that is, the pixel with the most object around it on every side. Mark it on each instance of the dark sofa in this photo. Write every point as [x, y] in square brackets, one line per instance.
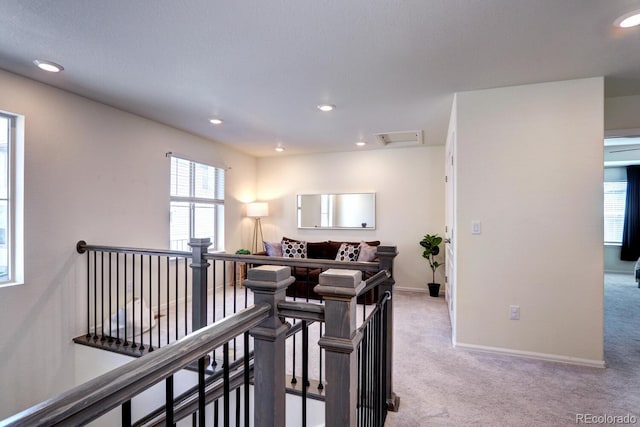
[307, 278]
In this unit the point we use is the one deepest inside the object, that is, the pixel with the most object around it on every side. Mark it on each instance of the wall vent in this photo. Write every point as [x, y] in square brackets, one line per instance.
[405, 138]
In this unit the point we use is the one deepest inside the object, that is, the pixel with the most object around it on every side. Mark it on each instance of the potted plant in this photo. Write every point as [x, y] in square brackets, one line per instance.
[430, 243]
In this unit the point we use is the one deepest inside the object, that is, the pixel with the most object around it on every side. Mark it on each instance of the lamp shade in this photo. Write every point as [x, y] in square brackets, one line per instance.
[257, 209]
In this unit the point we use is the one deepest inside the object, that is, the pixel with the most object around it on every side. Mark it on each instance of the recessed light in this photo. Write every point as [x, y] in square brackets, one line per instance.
[215, 121]
[49, 66]
[326, 107]
[279, 149]
[628, 20]
[361, 143]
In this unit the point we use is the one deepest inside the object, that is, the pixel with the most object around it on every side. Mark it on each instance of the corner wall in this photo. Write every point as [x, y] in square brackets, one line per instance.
[409, 187]
[530, 168]
[92, 173]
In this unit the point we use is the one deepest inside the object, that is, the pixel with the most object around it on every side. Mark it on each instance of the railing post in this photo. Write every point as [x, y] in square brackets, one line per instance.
[339, 289]
[199, 267]
[269, 283]
[386, 255]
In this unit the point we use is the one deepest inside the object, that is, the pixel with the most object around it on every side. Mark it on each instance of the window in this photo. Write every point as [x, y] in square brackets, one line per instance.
[615, 194]
[197, 204]
[10, 202]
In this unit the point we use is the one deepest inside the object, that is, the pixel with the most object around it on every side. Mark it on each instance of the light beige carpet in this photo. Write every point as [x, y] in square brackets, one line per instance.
[443, 386]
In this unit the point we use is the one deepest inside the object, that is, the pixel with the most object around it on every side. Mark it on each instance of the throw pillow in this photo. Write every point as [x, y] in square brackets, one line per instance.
[291, 249]
[367, 252]
[273, 248]
[348, 252]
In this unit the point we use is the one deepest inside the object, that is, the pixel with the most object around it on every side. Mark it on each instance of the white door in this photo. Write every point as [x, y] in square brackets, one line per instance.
[450, 209]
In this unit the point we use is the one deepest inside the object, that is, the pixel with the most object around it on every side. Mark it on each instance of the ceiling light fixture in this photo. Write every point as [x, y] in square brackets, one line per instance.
[215, 121]
[49, 66]
[361, 143]
[628, 20]
[326, 107]
[279, 149]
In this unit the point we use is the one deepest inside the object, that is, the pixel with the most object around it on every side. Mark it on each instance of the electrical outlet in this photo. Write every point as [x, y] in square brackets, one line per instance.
[476, 227]
[514, 312]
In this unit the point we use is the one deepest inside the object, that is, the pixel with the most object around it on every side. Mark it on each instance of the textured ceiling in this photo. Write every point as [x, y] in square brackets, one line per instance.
[263, 66]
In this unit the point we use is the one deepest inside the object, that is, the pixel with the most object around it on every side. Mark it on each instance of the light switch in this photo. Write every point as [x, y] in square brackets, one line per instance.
[476, 227]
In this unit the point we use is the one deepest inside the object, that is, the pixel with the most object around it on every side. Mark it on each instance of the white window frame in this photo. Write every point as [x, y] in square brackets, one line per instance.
[217, 240]
[609, 241]
[15, 200]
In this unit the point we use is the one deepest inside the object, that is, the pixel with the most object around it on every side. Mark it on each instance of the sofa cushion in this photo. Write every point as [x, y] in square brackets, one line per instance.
[348, 252]
[367, 252]
[291, 249]
[335, 246]
[273, 248]
[315, 250]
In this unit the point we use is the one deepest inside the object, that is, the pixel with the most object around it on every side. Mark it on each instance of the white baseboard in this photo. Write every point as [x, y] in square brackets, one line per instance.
[405, 289]
[630, 273]
[533, 355]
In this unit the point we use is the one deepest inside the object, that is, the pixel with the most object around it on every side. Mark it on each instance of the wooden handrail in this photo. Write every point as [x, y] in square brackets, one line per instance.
[96, 397]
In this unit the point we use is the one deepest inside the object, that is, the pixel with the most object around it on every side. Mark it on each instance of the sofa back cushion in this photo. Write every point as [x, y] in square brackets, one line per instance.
[273, 248]
[348, 252]
[291, 249]
[335, 246]
[315, 250]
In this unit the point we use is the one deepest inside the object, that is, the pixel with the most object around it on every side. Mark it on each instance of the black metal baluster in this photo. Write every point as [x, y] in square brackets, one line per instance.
[103, 338]
[95, 297]
[214, 363]
[118, 299]
[225, 375]
[159, 302]
[110, 298]
[216, 413]
[88, 295]
[320, 350]
[305, 370]
[201, 395]
[133, 302]
[126, 413]
[177, 292]
[246, 379]
[194, 419]
[376, 362]
[126, 296]
[235, 353]
[294, 381]
[359, 385]
[224, 290]
[150, 308]
[142, 347]
[169, 401]
[365, 370]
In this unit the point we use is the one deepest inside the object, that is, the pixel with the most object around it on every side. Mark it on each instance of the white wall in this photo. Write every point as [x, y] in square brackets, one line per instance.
[409, 187]
[98, 174]
[530, 168]
[620, 113]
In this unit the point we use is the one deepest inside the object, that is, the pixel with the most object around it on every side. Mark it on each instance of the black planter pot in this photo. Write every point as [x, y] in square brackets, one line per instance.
[434, 289]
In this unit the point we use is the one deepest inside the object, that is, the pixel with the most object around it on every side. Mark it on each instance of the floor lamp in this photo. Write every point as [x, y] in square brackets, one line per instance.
[257, 210]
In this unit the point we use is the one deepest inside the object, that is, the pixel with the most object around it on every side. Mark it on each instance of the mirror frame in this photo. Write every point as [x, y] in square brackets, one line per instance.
[299, 208]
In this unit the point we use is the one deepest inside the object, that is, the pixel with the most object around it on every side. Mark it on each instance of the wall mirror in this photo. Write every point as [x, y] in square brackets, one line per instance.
[347, 210]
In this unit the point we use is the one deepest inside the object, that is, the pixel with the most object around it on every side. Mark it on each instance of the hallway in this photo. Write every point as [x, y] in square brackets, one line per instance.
[442, 386]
